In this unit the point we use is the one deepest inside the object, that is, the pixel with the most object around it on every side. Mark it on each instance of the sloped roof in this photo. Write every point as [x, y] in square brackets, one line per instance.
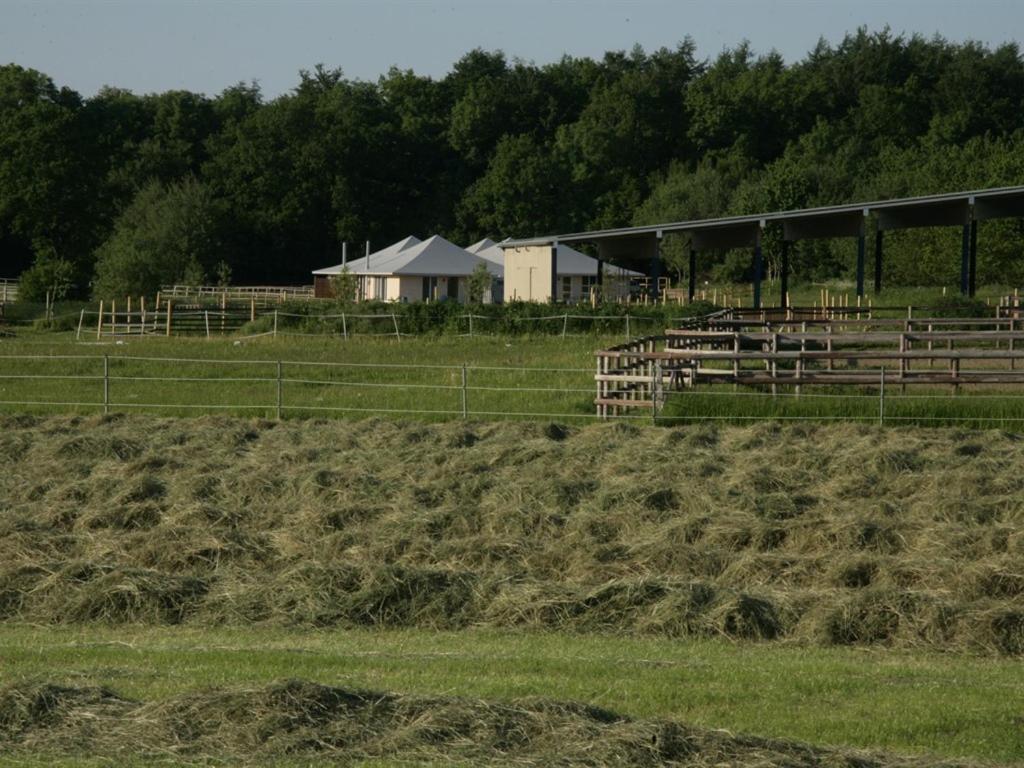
[359, 265]
[433, 256]
[489, 251]
[482, 245]
[950, 209]
[572, 262]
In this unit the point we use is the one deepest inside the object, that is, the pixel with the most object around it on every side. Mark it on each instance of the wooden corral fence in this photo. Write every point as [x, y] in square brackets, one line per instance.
[172, 318]
[1009, 306]
[635, 374]
[8, 291]
[263, 295]
[725, 348]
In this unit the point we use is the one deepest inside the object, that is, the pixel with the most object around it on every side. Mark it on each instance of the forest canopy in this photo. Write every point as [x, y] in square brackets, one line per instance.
[118, 192]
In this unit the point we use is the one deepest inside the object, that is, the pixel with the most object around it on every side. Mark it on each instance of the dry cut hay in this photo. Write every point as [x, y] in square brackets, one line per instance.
[841, 534]
[303, 720]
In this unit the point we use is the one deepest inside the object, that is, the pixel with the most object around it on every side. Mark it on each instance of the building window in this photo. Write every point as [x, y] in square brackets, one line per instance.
[589, 281]
[566, 288]
[380, 291]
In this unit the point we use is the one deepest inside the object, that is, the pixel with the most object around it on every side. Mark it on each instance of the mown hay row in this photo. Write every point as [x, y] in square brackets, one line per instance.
[297, 720]
[839, 534]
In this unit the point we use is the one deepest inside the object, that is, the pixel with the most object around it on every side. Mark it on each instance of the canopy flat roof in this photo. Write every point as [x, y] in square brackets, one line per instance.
[948, 209]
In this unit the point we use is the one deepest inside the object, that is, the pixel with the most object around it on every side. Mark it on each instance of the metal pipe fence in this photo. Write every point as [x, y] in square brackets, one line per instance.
[173, 319]
[287, 388]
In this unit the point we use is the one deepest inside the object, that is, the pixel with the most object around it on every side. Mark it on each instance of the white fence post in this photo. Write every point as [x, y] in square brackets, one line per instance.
[106, 384]
[881, 398]
[280, 390]
[465, 392]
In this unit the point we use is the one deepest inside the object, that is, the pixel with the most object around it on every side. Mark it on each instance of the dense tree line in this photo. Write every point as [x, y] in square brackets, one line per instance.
[119, 192]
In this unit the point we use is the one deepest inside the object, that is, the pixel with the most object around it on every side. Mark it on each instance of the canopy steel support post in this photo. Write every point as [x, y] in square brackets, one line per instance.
[878, 260]
[784, 276]
[965, 256]
[860, 264]
[656, 271]
[758, 269]
[972, 269]
[692, 292]
[554, 273]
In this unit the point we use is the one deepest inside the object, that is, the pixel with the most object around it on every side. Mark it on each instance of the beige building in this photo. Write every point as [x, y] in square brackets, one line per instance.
[530, 275]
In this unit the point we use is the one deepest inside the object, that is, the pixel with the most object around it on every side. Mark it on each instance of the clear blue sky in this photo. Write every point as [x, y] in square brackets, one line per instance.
[157, 45]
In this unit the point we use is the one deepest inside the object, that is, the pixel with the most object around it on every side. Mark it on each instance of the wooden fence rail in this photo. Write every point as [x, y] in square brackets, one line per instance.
[8, 291]
[723, 348]
[262, 294]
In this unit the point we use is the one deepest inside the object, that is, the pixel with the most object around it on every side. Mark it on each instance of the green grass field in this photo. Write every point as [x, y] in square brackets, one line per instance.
[538, 376]
[420, 376]
[937, 704]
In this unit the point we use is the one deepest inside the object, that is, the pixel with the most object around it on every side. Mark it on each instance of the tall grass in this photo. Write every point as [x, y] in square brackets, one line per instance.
[832, 535]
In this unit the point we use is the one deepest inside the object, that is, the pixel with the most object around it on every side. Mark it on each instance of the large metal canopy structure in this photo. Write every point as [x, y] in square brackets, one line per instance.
[963, 209]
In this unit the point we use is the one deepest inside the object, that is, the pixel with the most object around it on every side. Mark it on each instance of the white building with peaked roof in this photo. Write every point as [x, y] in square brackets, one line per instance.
[409, 270]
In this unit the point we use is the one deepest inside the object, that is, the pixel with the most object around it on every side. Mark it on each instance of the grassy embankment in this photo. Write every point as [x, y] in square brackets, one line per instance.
[839, 584]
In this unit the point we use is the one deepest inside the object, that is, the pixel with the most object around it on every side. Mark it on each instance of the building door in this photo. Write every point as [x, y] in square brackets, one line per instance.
[453, 288]
[429, 283]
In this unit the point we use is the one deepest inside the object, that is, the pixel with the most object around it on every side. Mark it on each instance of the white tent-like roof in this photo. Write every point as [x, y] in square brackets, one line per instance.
[572, 262]
[433, 256]
[489, 251]
[359, 265]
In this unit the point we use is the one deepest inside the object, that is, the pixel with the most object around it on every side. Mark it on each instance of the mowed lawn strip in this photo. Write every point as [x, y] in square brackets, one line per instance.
[944, 704]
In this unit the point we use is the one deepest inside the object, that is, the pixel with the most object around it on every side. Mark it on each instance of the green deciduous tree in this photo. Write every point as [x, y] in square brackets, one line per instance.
[478, 284]
[167, 235]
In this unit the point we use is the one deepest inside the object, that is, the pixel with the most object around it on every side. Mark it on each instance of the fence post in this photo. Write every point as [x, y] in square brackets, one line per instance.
[206, 319]
[627, 325]
[275, 323]
[81, 318]
[465, 392]
[470, 323]
[170, 310]
[394, 319]
[99, 323]
[881, 398]
[565, 324]
[344, 327]
[656, 391]
[280, 390]
[106, 384]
